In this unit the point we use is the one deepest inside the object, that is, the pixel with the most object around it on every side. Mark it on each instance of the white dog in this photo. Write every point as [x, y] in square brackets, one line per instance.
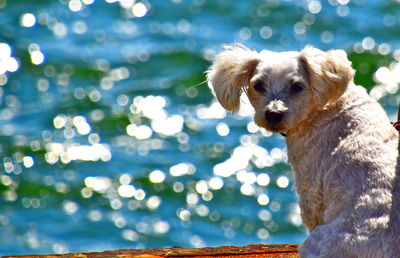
[340, 144]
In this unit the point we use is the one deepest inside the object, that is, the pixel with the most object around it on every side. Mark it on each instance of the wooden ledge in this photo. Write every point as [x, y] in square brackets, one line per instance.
[250, 251]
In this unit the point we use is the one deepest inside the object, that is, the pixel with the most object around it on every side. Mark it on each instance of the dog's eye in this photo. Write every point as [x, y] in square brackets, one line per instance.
[296, 87]
[259, 86]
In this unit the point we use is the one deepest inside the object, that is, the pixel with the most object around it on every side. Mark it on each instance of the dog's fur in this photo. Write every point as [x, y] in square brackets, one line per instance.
[340, 143]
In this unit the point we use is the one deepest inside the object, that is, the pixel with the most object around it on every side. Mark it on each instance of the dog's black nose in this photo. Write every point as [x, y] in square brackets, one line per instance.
[273, 117]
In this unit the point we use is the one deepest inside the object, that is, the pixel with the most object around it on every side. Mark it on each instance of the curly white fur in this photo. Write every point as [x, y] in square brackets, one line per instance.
[340, 144]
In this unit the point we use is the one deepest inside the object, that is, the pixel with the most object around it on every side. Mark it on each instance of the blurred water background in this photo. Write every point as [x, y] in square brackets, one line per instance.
[110, 139]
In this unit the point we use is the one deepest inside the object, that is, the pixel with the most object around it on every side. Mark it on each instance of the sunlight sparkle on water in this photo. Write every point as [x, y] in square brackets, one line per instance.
[182, 169]
[314, 7]
[28, 161]
[59, 29]
[140, 132]
[150, 106]
[202, 187]
[184, 214]
[246, 177]
[68, 152]
[37, 57]
[241, 157]
[130, 235]
[295, 214]
[388, 79]
[126, 3]
[6, 180]
[153, 202]
[119, 74]
[202, 210]
[7, 62]
[95, 215]
[385, 76]
[98, 184]
[3, 80]
[59, 121]
[168, 126]
[5, 51]
[140, 194]
[252, 127]
[70, 207]
[86, 192]
[125, 179]
[263, 199]
[216, 183]
[247, 189]
[161, 227]
[81, 125]
[79, 27]
[157, 176]
[266, 32]
[264, 215]
[192, 199]
[222, 129]
[343, 2]
[263, 179]
[75, 5]
[126, 191]
[139, 10]
[368, 43]
[215, 110]
[282, 181]
[178, 187]
[27, 20]
[263, 234]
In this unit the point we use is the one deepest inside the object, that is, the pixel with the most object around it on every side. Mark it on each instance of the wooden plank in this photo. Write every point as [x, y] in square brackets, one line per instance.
[250, 251]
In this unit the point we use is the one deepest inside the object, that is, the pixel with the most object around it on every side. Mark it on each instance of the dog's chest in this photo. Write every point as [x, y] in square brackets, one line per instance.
[309, 158]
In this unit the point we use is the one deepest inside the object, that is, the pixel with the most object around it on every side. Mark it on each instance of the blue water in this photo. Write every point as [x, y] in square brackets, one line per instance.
[111, 139]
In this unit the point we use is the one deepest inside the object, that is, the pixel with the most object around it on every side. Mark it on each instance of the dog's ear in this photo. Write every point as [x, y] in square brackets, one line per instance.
[328, 73]
[230, 73]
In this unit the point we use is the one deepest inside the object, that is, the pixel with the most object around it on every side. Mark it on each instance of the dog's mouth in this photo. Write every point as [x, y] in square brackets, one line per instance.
[274, 128]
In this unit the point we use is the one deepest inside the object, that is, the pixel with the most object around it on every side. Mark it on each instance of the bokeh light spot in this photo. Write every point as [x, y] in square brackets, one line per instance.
[126, 191]
[266, 32]
[314, 7]
[282, 181]
[27, 20]
[182, 169]
[368, 43]
[139, 10]
[28, 161]
[216, 183]
[75, 5]
[5, 51]
[37, 57]
[153, 202]
[222, 129]
[161, 227]
[157, 176]
[263, 199]
[202, 187]
[70, 207]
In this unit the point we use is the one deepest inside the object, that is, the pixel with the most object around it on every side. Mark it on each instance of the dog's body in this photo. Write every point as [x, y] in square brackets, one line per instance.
[344, 162]
[340, 144]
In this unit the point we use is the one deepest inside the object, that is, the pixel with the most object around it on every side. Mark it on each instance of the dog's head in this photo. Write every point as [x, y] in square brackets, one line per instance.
[283, 87]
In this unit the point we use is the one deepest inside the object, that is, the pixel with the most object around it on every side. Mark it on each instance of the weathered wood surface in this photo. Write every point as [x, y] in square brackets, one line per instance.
[250, 251]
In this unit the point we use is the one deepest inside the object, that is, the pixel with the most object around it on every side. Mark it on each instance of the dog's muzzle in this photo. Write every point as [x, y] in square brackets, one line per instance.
[275, 111]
